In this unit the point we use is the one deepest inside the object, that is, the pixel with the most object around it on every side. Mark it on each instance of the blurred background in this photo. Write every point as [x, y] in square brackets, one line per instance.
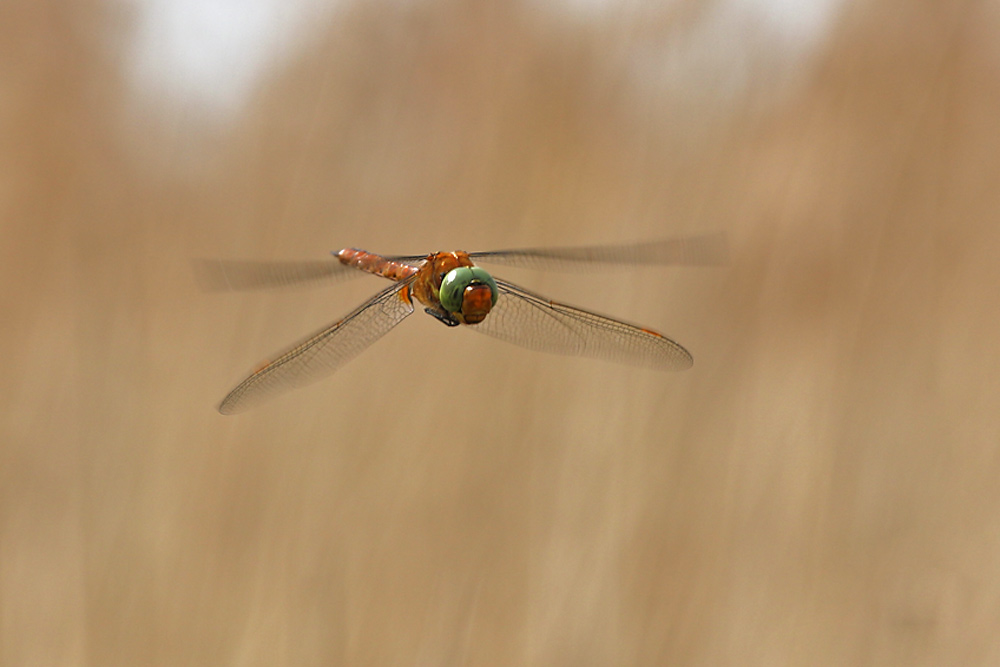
[821, 488]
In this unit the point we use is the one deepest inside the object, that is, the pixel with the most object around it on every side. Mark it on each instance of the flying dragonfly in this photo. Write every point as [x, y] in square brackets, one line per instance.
[457, 292]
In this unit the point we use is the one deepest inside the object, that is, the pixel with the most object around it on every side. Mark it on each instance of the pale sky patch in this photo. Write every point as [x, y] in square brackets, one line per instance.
[212, 53]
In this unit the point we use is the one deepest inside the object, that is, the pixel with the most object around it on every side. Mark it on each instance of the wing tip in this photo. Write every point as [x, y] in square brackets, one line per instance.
[230, 405]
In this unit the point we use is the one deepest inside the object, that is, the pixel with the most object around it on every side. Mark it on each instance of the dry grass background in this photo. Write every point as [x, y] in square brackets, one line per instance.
[821, 488]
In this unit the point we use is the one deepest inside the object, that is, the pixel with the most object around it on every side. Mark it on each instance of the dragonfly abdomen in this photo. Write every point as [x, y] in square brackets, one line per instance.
[377, 264]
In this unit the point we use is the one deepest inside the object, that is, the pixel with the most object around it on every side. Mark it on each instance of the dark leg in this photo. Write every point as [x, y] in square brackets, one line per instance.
[445, 318]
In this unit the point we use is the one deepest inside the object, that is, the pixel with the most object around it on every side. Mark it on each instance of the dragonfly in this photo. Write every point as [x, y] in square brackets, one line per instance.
[456, 291]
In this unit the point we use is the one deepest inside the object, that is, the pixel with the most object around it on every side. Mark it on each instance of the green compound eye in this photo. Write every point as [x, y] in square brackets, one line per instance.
[454, 284]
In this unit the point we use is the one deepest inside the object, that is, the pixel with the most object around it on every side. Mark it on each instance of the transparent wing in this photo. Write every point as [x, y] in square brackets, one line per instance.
[529, 320]
[221, 275]
[703, 250]
[325, 351]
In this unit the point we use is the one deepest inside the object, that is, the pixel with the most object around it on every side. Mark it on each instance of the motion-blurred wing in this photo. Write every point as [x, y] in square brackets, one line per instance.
[526, 319]
[704, 250]
[324, 352]
[221, 275]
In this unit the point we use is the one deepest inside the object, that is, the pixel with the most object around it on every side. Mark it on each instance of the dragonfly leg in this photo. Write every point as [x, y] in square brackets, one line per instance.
[445, 318]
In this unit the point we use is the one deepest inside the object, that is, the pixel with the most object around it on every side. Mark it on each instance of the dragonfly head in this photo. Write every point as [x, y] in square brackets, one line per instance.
[469, 293]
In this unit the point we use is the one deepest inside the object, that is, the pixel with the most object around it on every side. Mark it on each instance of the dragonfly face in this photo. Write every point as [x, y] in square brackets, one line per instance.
[468, 293]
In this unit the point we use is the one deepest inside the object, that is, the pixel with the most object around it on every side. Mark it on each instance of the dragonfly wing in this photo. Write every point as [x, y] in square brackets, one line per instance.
[222, 275]
[325, 351]
[703, 250]
[529, 320]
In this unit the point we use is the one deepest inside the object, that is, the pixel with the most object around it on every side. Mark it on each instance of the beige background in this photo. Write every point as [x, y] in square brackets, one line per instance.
[822, 488]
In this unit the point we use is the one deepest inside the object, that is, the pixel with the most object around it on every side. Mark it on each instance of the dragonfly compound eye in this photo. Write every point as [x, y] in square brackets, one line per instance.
[455, 283]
